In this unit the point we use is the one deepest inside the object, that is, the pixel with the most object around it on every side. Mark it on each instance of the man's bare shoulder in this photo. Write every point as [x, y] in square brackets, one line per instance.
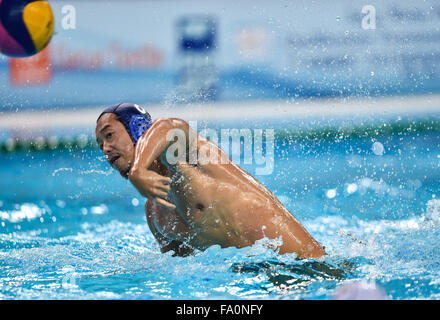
[176, 122]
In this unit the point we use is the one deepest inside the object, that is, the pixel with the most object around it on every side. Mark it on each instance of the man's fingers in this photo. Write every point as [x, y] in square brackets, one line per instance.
[159, 185]
[166, 180]
[157, 177]
[164, 203]
[161, 193]
[164, 188]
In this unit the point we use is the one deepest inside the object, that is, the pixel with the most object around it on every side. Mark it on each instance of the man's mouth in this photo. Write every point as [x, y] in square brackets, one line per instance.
[113, 159]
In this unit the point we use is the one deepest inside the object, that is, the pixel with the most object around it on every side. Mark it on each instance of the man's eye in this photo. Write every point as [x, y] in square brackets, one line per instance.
[108, 135]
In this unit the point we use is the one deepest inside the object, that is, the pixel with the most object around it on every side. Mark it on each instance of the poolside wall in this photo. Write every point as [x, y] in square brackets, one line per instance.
[327, 118]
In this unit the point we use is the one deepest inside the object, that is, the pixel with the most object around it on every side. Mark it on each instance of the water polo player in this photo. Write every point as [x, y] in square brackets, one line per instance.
[195, 205]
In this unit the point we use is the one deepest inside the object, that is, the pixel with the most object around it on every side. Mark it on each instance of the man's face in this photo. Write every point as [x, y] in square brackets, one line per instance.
[114, 141]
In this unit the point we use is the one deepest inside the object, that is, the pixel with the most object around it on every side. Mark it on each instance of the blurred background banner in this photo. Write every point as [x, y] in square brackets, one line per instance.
[182, 51]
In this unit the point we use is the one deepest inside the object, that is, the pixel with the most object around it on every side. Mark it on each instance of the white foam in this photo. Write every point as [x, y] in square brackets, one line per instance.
[27, 211]
[433, 210]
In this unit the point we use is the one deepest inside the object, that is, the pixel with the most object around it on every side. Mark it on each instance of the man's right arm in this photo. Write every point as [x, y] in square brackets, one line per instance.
[149, 148]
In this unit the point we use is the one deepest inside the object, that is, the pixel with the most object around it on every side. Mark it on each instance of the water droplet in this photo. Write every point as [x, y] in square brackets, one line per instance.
[331, 193]
[352, 188]
[378, 148]
[102, 209]
[60, 203]
[135, 202]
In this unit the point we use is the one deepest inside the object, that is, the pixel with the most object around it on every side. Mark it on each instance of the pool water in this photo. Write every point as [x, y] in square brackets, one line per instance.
[71, 228]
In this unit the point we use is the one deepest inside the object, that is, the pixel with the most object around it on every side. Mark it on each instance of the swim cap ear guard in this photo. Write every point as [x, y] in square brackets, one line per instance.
[138, 125]
[134, 118]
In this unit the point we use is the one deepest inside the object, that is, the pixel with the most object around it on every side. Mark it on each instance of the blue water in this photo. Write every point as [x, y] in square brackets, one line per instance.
[70, 228]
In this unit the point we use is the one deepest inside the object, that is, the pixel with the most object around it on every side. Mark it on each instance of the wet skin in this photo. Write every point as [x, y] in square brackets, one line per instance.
[194, 205]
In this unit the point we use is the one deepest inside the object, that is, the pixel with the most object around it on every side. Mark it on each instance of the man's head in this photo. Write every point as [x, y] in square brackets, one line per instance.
[118, 129]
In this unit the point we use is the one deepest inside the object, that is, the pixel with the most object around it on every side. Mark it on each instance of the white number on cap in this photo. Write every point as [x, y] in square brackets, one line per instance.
[140, 109]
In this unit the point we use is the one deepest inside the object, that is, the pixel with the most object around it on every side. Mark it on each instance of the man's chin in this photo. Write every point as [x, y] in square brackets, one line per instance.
[123, 172]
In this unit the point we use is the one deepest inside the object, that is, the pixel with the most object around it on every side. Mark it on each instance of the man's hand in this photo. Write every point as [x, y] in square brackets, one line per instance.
[152, 185]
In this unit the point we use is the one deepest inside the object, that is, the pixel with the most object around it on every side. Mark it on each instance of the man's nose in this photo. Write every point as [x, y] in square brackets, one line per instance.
[106, 148]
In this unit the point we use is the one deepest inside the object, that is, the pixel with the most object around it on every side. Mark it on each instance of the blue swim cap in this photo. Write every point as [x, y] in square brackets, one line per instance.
[134, 118]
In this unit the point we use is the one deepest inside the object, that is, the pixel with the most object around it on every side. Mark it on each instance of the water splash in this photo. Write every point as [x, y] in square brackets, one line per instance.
[55, 172]
[26, 211]
[100, 172]
[83, 172]
[433, 210]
